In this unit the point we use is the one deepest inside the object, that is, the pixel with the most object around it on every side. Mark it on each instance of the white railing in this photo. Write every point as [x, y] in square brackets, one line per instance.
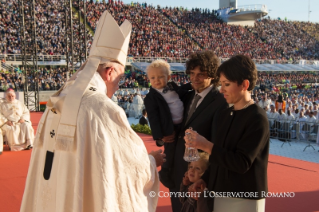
[61, 58]
[41, 58]
[150, 59]
[253, 7]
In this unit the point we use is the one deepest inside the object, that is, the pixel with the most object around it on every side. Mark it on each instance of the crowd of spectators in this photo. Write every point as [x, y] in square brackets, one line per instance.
[153, 35]
[304, 97]
[164, 32]
[292, 115]
[139, 79]
[50, 23]
[287, 39]
[52, 78]
[47, 78]
[288, 79]
[268, 39]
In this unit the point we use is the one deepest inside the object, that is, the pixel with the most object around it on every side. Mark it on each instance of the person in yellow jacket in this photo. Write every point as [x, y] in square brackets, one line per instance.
[135, 84]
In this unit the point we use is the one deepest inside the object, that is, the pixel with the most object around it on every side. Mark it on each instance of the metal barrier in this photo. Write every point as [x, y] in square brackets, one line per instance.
[286, 131]
[41, 58]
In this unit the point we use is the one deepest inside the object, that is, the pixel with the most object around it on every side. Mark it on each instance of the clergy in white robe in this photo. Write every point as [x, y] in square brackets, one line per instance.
[86, 157]
[302, 119]
[17, 126]
[138, 104]
[272, 115]
[264, 102]
[281, 116]
[311, 119]
[290, 118]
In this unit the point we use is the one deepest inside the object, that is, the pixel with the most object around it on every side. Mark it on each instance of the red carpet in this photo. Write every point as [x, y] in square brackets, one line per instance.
[284, 175]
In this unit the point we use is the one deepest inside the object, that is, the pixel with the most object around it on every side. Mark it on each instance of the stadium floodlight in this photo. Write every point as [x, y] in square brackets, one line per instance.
[309, 11]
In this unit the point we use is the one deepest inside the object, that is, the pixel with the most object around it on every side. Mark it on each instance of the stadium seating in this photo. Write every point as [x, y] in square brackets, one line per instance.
[167, 32]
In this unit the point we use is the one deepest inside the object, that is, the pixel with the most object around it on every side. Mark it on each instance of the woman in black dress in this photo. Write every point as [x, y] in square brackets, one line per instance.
[239, 146]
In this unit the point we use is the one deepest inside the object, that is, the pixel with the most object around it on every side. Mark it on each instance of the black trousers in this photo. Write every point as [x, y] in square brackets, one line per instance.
[176, 204]
[169, 150]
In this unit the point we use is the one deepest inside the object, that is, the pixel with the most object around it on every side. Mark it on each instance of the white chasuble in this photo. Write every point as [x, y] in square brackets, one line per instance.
[107, 169]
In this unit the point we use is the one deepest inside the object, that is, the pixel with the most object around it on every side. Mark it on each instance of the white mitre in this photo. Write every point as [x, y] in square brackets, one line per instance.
[110, 43]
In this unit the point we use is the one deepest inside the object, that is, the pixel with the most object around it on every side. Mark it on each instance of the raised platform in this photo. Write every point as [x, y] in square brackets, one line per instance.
[243, 15]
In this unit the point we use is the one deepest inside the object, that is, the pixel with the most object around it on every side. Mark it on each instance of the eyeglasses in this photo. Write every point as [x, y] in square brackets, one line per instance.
[122, 78]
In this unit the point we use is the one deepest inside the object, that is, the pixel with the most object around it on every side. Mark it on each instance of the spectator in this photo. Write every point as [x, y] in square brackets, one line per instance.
[143, 120]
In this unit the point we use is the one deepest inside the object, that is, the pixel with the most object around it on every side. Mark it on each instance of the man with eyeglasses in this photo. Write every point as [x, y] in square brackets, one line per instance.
[86, 157]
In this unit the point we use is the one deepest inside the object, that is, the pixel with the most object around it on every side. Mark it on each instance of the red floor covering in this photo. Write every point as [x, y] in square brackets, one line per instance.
[284, 175]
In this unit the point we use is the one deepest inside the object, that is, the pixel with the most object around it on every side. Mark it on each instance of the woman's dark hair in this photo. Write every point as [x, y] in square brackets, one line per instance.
[297, 111]
[279, 98]
[239, 68]
[206, 60]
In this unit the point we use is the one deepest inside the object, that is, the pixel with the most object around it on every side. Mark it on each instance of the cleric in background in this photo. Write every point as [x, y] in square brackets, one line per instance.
[143, 119]
[15, 122]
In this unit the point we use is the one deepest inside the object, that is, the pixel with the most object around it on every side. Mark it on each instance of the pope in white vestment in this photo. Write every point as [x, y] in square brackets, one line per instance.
[86, 157]
[16, 126]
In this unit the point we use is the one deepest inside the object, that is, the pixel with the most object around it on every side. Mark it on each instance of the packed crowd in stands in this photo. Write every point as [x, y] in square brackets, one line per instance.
[48, 79]
[53, 78]
[288, 79]
[166, 32]
[50, 18]
[153, 35]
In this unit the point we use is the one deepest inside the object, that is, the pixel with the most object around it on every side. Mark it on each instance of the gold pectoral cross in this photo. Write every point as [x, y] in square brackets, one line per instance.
[14, 108]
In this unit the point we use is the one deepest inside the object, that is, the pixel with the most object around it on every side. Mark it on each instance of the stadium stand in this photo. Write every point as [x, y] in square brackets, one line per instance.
[169, 32]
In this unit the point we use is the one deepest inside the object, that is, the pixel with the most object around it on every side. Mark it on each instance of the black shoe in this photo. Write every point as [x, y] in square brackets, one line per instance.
[165, 178]
[29, 147]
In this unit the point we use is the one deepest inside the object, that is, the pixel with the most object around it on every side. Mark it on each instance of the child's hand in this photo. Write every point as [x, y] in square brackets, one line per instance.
[197, 187]
[186, 181]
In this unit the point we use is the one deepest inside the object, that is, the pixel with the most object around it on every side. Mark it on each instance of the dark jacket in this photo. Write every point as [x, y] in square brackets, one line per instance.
[143, 121]
[158, 112]
[239, 158]
[201, 121]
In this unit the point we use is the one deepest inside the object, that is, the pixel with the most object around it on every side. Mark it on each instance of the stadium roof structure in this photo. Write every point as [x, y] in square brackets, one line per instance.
[175, 67]
[180, 67]
[286, 67]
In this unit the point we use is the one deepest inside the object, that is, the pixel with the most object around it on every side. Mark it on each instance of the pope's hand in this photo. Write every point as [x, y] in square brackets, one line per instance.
[159, 157]
[21, 120]
[9, 123]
